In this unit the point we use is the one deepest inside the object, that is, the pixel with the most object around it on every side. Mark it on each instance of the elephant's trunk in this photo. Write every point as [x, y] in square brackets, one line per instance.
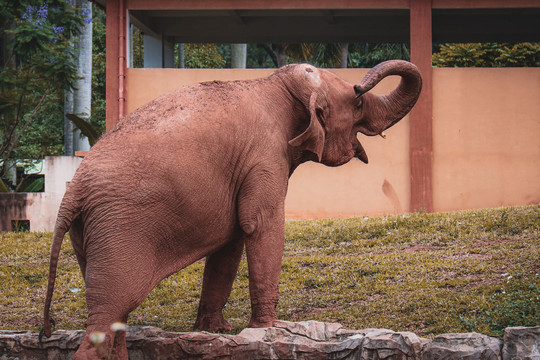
[386, 110]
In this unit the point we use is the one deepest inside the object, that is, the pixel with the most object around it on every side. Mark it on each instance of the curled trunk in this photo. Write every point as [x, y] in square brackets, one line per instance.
[386, 110]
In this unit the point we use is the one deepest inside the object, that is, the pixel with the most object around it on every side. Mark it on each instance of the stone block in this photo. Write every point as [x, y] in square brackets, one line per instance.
[521, 343]
[468, 346]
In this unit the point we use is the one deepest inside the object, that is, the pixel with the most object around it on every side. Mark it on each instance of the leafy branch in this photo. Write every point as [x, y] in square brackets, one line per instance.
[86, 128]
[11, 141]
[39, 65]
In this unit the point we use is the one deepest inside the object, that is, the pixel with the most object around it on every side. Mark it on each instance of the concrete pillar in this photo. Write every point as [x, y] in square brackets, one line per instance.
[153, 52]
[238, 56]
[181, 60]
[168, 54]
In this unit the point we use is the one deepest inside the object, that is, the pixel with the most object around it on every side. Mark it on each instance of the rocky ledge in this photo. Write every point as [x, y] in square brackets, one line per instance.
[286, 340]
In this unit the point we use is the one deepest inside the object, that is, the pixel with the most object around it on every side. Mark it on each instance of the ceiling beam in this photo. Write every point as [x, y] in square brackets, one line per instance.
[329, 16]
[236, 16]
[144, 23]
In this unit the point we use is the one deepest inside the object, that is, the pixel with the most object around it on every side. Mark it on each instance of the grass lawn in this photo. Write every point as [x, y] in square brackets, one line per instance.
[428, 273]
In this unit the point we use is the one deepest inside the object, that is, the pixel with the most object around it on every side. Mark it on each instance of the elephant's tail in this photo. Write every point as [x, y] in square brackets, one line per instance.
[69, 210]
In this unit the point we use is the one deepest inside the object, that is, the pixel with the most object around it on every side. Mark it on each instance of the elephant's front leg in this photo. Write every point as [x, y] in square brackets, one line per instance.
[264, 250]
[262, 219]
[263, 224]
[219, 274]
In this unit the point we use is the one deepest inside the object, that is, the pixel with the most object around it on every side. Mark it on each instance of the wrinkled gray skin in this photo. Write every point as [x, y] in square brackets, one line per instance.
[203, 172]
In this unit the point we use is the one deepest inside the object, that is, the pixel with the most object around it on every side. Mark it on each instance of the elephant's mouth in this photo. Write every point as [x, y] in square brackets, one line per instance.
[360, 153]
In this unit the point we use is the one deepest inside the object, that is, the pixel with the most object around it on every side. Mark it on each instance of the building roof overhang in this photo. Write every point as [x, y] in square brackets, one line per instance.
[352, 21]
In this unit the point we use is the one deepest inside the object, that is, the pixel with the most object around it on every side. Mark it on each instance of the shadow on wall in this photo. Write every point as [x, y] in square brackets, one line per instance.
[389, 191]
[37, 211]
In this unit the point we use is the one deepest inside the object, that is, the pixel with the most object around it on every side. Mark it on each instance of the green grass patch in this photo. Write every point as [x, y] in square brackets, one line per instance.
[427, 273]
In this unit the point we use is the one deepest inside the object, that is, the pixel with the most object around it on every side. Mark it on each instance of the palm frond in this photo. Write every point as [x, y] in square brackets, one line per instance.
[86, 128]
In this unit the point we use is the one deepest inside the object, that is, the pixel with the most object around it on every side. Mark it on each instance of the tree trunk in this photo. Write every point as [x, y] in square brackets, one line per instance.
[10, 172]
[181, 56]
[344, 52]
[238, 56]
[7, 59]
[270, 51]
[68, 125]
[281, 55]
[82, 94]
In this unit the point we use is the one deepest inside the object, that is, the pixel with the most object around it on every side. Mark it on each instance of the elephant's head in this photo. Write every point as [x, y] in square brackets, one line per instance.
[339, 110]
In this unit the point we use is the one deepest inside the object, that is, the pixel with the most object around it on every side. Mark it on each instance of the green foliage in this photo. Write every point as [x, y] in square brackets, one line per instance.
[99, 58]
[516, 303]
[138, 48]
[326, 55]
[34, 185]
[38, 65]
[488, 55]
[427, 273]
[257, 57]
[3, 187]
[20, 226]
[203, 56]
[317, 54]
[369, 55]
[44, 134]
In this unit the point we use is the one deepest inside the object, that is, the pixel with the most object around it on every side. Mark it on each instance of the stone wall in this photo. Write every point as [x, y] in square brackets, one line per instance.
[287, 340]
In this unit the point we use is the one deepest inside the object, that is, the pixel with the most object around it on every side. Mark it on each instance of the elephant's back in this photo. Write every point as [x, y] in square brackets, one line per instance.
[196, 103]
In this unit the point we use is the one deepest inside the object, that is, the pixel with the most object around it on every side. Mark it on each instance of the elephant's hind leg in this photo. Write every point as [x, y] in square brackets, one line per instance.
[103, 342]
[77, 241]
[116, 283]
[219, 274]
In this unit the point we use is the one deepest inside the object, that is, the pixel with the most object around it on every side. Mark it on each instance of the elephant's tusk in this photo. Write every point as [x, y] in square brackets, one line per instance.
[383, 135]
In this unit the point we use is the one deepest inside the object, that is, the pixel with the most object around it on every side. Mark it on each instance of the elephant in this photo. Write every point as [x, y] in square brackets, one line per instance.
[202, 172]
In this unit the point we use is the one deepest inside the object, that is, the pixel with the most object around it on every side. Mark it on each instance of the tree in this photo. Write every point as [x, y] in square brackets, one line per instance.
[335, 55]
[79, 97]
[99, 58]
[37, 66]
[487, 55]
[368, 55]
[198, 56]
[91, 127]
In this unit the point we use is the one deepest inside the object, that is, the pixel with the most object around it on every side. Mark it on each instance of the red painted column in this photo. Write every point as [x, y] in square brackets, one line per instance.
[121, 59]
[116, 62]
[421, 116]
[111, 74]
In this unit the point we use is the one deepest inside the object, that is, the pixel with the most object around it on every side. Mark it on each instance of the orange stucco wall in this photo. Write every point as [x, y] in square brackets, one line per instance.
[486, 126]
[486, 137]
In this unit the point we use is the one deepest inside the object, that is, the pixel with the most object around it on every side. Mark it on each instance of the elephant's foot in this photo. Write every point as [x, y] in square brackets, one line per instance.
[212, 323]
[263, 315]
[88, 351]
[104, 344]
[261, 323]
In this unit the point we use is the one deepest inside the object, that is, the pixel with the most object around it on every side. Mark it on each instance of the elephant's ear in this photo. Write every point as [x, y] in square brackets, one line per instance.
[312, 139]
